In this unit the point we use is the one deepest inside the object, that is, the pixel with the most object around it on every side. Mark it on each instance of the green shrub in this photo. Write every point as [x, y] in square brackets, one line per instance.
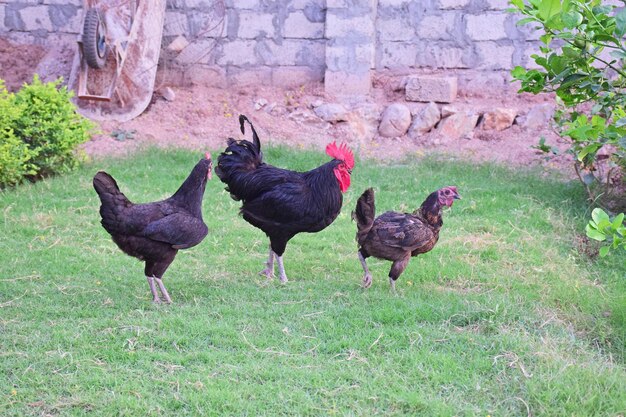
[50, 127]
[39, 132]
[14, 153]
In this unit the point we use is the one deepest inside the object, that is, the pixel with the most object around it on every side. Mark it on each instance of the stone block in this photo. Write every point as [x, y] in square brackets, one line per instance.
[486, 27]
[297, 25]
[494, 56]
[342, 83]
[396, 29]
[208, 76]
[395, 121]
[392, 3]
[453, 4]
[339, 26]
[498, 4]
[443, 56]
[239, 52]
[290, 52]
[254, 24]
[244, 4]
[197, 52]
[175, 24]
[78, 3]
[296, 76]
[398, 55]
[36, 18]
[428, 88]
[66, 18]
[244, 77]
[437, 27]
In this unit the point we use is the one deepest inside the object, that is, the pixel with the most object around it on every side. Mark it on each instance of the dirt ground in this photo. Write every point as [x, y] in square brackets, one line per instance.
[202, 118]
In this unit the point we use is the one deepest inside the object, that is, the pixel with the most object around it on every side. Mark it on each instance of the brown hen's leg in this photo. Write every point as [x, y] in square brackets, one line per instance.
[155, 295]
[269, 268]
[396, 269]
[367, 278]
[281, 269]
[163, 290]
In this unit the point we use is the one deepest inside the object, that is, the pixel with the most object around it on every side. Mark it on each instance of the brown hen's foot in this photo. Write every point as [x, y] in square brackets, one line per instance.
[393, 285]
[367, 281]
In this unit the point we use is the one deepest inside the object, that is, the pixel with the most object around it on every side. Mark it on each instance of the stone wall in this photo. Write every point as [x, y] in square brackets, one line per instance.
[290, 42]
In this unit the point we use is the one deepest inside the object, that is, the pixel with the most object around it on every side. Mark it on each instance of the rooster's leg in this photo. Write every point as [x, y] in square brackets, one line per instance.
[269, 269]
[367, 278]
[163, 290]
[281, 269]
[155, 296]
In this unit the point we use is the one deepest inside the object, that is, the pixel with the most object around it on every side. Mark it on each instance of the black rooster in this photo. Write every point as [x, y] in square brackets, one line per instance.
[396, 236]
[281, 202]
[154, 232]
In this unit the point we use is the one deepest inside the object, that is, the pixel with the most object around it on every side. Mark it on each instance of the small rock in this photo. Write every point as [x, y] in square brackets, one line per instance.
[317, 103]
[167, 93]
[178, 44]
[260, 103]
[332, 112]
[306, 117]
[458, 125]
[448, 111]
[424, 121]
[498, 119]
[395, 121]
[538, 116]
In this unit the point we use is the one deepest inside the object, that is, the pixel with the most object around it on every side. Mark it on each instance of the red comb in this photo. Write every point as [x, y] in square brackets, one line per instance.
[207, 155]
[341, 152]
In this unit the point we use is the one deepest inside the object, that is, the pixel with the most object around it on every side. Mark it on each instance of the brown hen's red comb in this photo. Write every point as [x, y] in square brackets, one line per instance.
[341, 152]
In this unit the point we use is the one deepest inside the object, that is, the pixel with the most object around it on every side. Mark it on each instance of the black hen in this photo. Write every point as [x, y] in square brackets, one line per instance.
[154, 232]
[281, 202]
[396, 236]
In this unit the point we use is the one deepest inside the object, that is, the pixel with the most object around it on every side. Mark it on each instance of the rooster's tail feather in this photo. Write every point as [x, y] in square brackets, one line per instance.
[364, 213]
[239, 159]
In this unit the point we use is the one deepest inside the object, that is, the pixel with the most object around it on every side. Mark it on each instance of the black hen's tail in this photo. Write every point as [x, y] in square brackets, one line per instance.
[113, 201]
[364, 214]
[238, 161]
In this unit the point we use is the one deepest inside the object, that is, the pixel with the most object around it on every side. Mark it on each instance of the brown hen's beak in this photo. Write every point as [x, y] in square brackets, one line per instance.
[457, 197]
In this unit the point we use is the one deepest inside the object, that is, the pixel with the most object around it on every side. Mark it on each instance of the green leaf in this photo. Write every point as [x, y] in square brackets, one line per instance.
[594, 234]
[549, 8]
[598, 215]
[620, 23]
[517, 3]
[617, 221]
[572, 19]
[525, 21]
[604, 250]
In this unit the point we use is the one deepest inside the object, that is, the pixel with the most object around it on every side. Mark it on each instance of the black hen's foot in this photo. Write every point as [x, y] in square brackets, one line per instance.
[367, 281]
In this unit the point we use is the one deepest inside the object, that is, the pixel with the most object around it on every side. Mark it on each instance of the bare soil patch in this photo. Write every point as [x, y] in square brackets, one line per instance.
[202, 118]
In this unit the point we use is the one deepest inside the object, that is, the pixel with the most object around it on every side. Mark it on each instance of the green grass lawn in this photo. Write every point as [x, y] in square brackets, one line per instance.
[505, 317]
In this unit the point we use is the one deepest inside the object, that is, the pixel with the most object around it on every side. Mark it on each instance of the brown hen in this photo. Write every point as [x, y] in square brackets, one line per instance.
[396, 236]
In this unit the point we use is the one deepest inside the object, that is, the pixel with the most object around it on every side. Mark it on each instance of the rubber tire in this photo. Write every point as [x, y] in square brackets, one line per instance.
[94, 46]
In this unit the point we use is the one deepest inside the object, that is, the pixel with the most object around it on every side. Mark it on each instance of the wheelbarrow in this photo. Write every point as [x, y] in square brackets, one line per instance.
[118, 52]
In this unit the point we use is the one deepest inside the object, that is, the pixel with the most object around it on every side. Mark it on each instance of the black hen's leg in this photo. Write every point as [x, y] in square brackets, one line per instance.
[396, 269]
[269, 268]
[367, 277]
[154, 272]
[155, 295]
